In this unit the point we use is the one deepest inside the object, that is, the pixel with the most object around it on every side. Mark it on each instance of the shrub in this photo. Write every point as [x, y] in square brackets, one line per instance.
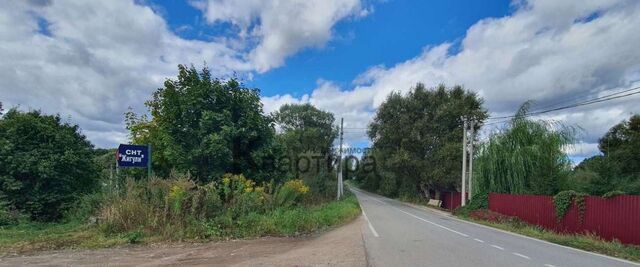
[290, 193]
[44, 164]
[178, 208]
[7, 215]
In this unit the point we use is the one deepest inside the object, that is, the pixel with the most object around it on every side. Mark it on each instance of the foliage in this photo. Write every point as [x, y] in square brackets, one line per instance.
[177, 207]
[134, 237]
[563, 200]
[417, 140]
[290, 193]
[207, 127]
[527, 158]
[612, 194]
[581, 180]
[28, 237]
[305, 128]
[618, 168]
[45, 164]
[307, 134]
[7, 215]
[480, 201]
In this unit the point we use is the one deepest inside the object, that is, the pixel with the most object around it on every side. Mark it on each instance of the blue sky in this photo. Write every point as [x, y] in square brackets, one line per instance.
[394, 32]
[91, 61]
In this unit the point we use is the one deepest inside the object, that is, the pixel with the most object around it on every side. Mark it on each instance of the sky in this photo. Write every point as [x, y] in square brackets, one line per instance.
[90, 61]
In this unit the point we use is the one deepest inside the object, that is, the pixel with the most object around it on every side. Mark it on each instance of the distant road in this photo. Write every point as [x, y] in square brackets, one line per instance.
[396, 234]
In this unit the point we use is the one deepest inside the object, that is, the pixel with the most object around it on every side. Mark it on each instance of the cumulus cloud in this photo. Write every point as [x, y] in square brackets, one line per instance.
[549, 51]
[281, 28]
[91, 60]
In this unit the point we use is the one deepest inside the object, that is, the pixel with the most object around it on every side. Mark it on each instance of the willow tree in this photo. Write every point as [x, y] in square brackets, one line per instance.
[527, 158]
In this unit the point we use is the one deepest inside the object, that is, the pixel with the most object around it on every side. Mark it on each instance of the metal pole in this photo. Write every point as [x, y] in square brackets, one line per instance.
[472, 138]
[464, 161]
[340, 192]
[149, 163]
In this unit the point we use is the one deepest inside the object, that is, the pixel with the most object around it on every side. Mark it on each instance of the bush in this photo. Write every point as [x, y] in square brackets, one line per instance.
[178, 208]
[7, 215]
[44, 164]
[290, 193]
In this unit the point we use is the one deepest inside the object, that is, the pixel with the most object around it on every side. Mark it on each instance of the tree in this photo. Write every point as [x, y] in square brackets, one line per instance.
[307, 134]
[305, 128]
[618, 168]
[207, 127]
[45, 164]
[527, 158]
[417, 139]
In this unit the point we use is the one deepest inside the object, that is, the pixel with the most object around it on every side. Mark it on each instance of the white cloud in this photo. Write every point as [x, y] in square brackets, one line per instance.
[547, 50]
[281, 28]
[90, 60]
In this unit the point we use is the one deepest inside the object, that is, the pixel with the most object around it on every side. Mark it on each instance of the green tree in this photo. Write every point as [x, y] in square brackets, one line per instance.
[307, 134]
[45, 164]
[305, 128]
[526, 158]
[618, 168]
[207, 127]
[417, 139]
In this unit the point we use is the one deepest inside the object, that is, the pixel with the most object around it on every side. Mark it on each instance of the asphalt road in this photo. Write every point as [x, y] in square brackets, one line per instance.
[396, 234]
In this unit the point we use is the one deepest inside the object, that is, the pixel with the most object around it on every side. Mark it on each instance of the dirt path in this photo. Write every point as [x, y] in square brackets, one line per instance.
[340, 247]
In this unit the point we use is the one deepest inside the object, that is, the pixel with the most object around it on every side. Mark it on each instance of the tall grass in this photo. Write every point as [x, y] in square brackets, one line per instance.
[528, 157]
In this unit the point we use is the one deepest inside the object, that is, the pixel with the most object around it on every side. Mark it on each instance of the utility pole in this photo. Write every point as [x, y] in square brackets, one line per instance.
[471, 139]
[464, 161]
[340, 159]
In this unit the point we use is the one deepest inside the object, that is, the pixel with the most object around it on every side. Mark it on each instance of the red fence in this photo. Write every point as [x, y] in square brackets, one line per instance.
[451, 200]
[614, 218]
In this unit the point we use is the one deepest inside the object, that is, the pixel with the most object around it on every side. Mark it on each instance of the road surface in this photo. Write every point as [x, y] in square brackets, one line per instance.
[396, 234]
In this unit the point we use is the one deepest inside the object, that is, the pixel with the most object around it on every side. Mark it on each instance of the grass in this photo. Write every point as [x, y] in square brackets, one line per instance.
[299, 220]
[28, 237]
[588, 242]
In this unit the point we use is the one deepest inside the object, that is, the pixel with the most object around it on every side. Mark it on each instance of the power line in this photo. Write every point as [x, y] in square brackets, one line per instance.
[583, 103]
[578, 97]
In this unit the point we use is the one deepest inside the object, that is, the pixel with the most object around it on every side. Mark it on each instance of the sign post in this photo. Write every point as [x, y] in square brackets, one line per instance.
[134, 156]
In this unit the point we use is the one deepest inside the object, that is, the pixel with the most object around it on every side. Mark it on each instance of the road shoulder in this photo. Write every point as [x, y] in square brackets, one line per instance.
[342, 246]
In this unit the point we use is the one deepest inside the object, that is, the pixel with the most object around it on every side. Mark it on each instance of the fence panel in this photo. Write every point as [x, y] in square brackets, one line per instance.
[614, 218]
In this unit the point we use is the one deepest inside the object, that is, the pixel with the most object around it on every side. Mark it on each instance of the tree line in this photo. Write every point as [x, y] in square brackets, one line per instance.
[196, 125]
[417, 147]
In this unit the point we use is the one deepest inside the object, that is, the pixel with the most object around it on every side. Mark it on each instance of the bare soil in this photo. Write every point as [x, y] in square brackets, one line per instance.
[342, 246]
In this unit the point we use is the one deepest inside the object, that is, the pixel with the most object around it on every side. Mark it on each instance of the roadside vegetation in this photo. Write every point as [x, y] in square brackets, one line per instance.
[220, 171]
[586, 242]
[417, 140]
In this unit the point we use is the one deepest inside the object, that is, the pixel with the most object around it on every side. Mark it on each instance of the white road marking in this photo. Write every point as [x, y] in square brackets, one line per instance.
[498, 247]
[479, 240]
[427, 221]
[424, 220]
[549, 265]
[370, 225]
[521, 256]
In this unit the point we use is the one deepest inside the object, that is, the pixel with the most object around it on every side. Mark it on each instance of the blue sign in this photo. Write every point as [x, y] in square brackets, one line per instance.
[135, 156]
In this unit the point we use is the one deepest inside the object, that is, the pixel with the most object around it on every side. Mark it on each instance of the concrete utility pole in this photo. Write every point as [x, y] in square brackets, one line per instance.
[464, 161]
[471, 139]
[340, 192]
